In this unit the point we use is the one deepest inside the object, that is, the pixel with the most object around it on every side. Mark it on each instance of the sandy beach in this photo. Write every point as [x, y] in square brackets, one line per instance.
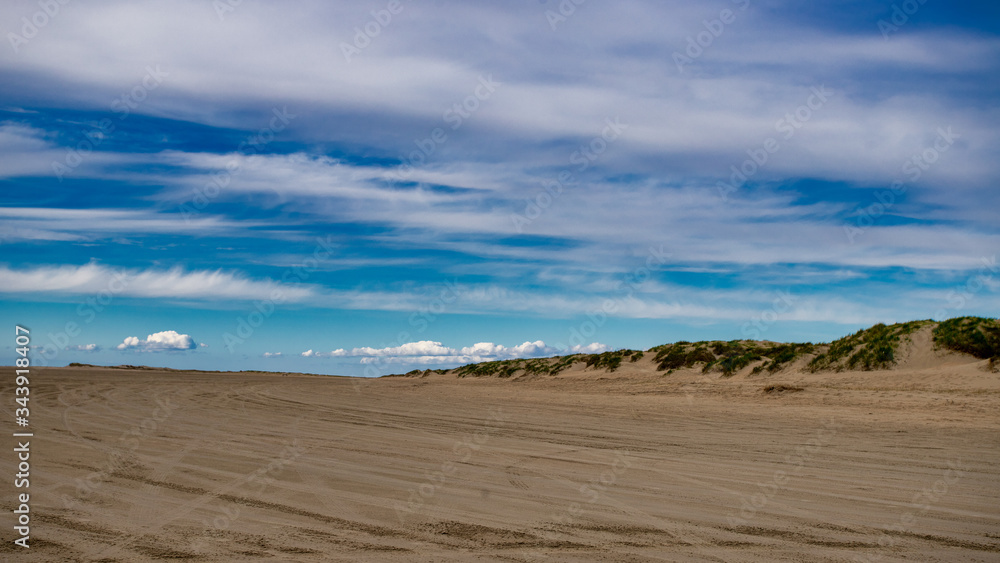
[589, 465]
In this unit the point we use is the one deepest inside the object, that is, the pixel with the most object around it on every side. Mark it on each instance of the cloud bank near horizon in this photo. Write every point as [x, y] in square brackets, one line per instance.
[428, 352]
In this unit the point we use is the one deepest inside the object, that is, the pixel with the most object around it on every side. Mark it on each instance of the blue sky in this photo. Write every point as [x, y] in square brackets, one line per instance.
[370, 187]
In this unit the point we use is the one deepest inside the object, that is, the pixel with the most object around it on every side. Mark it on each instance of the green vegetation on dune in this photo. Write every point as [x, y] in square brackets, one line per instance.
[733, 363]
[509, 368]
[681, 354]
[611, 360]
[563, 363]
[779, 355]
[868, 349]
[977, 336]
[785, 353]
[418, 372]
[728, 357]
[732, 356]
[499, 368]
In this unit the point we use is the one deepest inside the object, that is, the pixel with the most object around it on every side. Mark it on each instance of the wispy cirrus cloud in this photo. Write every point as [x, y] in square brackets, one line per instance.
[650, 299]
[93, 278]
[62, 224]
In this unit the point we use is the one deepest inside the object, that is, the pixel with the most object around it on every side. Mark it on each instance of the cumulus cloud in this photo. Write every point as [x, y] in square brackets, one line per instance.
[168, 340]
[592, 348]
[272, 354]
[431, 352]
[83, 348]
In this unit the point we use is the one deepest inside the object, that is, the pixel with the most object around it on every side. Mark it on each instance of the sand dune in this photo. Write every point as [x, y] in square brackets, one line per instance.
[588, 465]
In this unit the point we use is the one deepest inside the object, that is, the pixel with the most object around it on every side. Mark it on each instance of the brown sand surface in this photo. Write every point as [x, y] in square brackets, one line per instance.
[633, 465]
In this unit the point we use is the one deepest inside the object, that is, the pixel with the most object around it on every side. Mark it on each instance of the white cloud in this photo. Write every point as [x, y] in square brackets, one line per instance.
[24, 151]
[651, 299]
[592, 348]
[94, 278]
[431, 352]
[47, 223]
[272, 354]
[84, 348]
[691, 215]
[167, 340]
[422, 348]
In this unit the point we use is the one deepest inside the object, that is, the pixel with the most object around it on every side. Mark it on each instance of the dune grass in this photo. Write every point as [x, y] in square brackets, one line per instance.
[510, 368]
[867, 349]
[872, 348]
[976, 336]
[728, 357]
[612, 360]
